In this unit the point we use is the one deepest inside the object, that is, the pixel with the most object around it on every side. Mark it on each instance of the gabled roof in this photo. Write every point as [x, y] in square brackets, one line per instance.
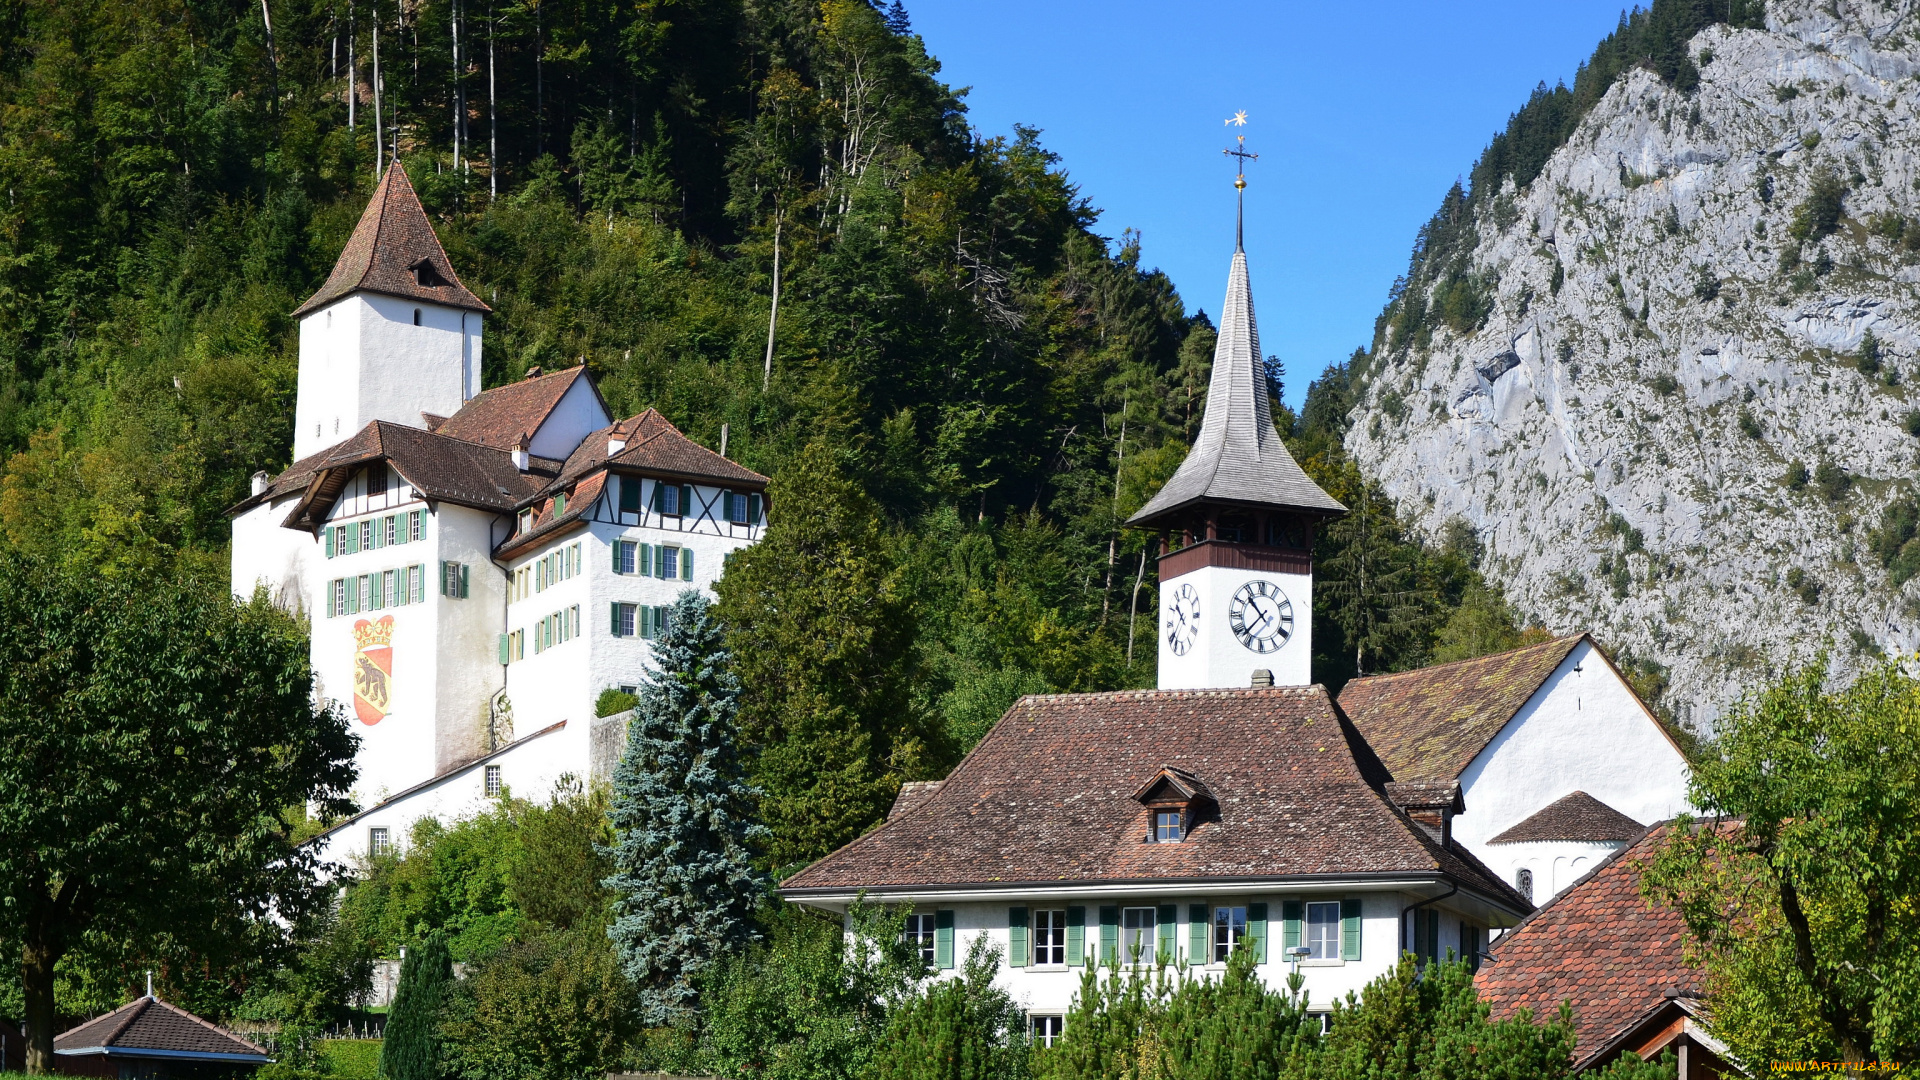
[1578, 816]
[1600, 945]
[656, 447]
[1239, 456]
[392, 239]
[150, 1027]
[1184, 785]
[292, 480]
[1047, 799]
[548, 525]
[1431, 723]
[503, 416]
[439, 468]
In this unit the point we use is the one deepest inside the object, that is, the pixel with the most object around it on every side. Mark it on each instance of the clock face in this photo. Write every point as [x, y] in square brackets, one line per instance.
[1183, 619]
[1261, 616]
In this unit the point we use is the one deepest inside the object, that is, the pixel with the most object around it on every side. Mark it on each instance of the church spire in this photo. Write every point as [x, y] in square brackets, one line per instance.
[1238, 457]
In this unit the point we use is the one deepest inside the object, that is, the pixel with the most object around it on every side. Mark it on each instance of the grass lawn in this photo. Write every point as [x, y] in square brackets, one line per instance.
[352, 1059]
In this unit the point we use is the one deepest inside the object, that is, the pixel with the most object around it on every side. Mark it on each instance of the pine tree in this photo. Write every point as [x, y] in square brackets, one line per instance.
[412, 1050]
[683, 877]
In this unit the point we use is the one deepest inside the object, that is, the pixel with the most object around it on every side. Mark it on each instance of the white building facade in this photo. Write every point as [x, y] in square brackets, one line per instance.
[477, 567]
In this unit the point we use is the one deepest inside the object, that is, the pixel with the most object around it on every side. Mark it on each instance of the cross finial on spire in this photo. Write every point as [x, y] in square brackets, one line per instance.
[1239, 150]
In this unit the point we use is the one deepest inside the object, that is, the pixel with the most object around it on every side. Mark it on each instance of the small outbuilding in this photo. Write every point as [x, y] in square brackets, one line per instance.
[148, 1039]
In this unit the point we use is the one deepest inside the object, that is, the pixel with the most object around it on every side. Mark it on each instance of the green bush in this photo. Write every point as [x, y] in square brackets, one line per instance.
[614, 700]
[1796, 477]
[350, 1059]
[956, 1029]
[1895, 542]
[1867, 357]
[1664, 384]
[554, 1006]
[1818, 217]
[412, 1049]
[1832, 480]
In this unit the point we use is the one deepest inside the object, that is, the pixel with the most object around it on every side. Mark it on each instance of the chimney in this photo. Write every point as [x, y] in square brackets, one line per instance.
[521, 459]
[1262, 677]
[1431, 804]
[260, 481]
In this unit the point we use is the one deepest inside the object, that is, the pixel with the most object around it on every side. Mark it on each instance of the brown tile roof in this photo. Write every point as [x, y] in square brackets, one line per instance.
[152, 1024]
[1047, 798]
[1430, 724]
[449, 470]
[656, 447]
[1578, 816]
[293, 479]
[1600, 945]
[392, 238]
[912, 794]
[504, 415]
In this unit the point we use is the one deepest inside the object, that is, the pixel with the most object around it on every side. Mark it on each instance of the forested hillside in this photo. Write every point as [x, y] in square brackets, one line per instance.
[989, 385]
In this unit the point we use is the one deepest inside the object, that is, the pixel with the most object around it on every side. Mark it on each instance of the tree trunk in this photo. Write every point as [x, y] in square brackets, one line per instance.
[1133, 605]
[37, 959]
[493, 116]
[379, 130]
[353, 82]
[773, 316]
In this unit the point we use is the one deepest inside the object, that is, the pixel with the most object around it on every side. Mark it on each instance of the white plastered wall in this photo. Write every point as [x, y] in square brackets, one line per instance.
[469, 672]
[264, 554]
[363, 359]
[1555, 864]
[1217, 658]
[1583, 730]
[576, 415]
[1052, 989]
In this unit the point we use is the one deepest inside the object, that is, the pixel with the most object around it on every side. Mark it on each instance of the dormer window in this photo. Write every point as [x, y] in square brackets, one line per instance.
[526, 521]
[1169, 826]
[427, 276]
[1176, 803]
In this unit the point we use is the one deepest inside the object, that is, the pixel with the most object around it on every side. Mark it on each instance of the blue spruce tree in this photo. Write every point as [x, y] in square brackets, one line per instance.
[684, 884]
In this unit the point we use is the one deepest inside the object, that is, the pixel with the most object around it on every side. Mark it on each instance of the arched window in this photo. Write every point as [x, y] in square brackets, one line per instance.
[1524, 882]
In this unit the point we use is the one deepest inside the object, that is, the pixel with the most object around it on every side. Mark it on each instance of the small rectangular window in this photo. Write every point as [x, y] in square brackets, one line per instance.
[1046, 1028]
[526, 521]
[1136, 935]
[391, 597]
[1229, 926]
[391, 524]
[919, 935]
[573, 615]
[339, 596]
[519, 644]
[493, 781]
[417, 581]
[623, 617]
[1050, 937]
[668, 563]
[1323, 931]
[366, 535]
[623, 551]
[630, 495]
[378, 843]
[370, 591]
[417, 525]
[573, 560]
[1168, 826]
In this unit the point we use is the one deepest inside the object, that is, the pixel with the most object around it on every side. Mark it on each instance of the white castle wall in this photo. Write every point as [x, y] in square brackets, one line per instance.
[264, 554]
[577, 414]
[363, 358]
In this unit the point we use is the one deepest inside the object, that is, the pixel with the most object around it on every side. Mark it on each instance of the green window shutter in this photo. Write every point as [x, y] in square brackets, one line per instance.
[753, 509]
[615, 548]
[1433, 934]
[1167, 924]
[629, 495]
[1350, 929]
[1257, 930]
[1197, 952]
[503, 648]
[686, 499]
[463, 581]
[643, 564]
[326, 540]
[1109, 934]
[686, 564]
[943, 940]
[1017, 937]
[659, 561]
[1293, 915]
[420, 583]
[614, 626]
[1076, 936]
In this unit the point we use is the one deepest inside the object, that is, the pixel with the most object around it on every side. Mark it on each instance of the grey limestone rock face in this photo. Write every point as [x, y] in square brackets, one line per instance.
[1628, 473]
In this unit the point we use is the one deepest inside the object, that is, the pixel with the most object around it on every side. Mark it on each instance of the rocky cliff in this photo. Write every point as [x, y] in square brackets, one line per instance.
[1673, 393]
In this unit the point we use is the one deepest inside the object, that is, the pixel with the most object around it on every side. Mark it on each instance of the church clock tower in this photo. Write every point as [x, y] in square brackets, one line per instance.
[1237, 523]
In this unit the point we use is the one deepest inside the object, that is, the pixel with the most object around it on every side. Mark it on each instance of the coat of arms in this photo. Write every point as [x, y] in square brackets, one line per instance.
[372, 669]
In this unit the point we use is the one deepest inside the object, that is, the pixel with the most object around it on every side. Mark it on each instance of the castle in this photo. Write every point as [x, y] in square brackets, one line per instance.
[477, 566]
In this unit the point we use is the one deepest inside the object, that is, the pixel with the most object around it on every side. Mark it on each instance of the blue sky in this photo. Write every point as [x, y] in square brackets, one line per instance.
[1362, 115]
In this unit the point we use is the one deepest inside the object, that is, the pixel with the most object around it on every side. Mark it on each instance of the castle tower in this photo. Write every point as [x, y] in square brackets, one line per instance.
[1237, 525]
[392, 335]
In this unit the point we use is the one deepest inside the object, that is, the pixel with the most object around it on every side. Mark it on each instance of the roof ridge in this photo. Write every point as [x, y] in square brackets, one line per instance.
[211, 1026]
[1484, 657]
[133, 1009]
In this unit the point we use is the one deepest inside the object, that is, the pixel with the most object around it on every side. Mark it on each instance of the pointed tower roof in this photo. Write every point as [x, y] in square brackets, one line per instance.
[394, 251]
[1239, 457]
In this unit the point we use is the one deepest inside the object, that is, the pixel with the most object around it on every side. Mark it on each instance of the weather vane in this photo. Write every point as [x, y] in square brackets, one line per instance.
[1239, 150]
